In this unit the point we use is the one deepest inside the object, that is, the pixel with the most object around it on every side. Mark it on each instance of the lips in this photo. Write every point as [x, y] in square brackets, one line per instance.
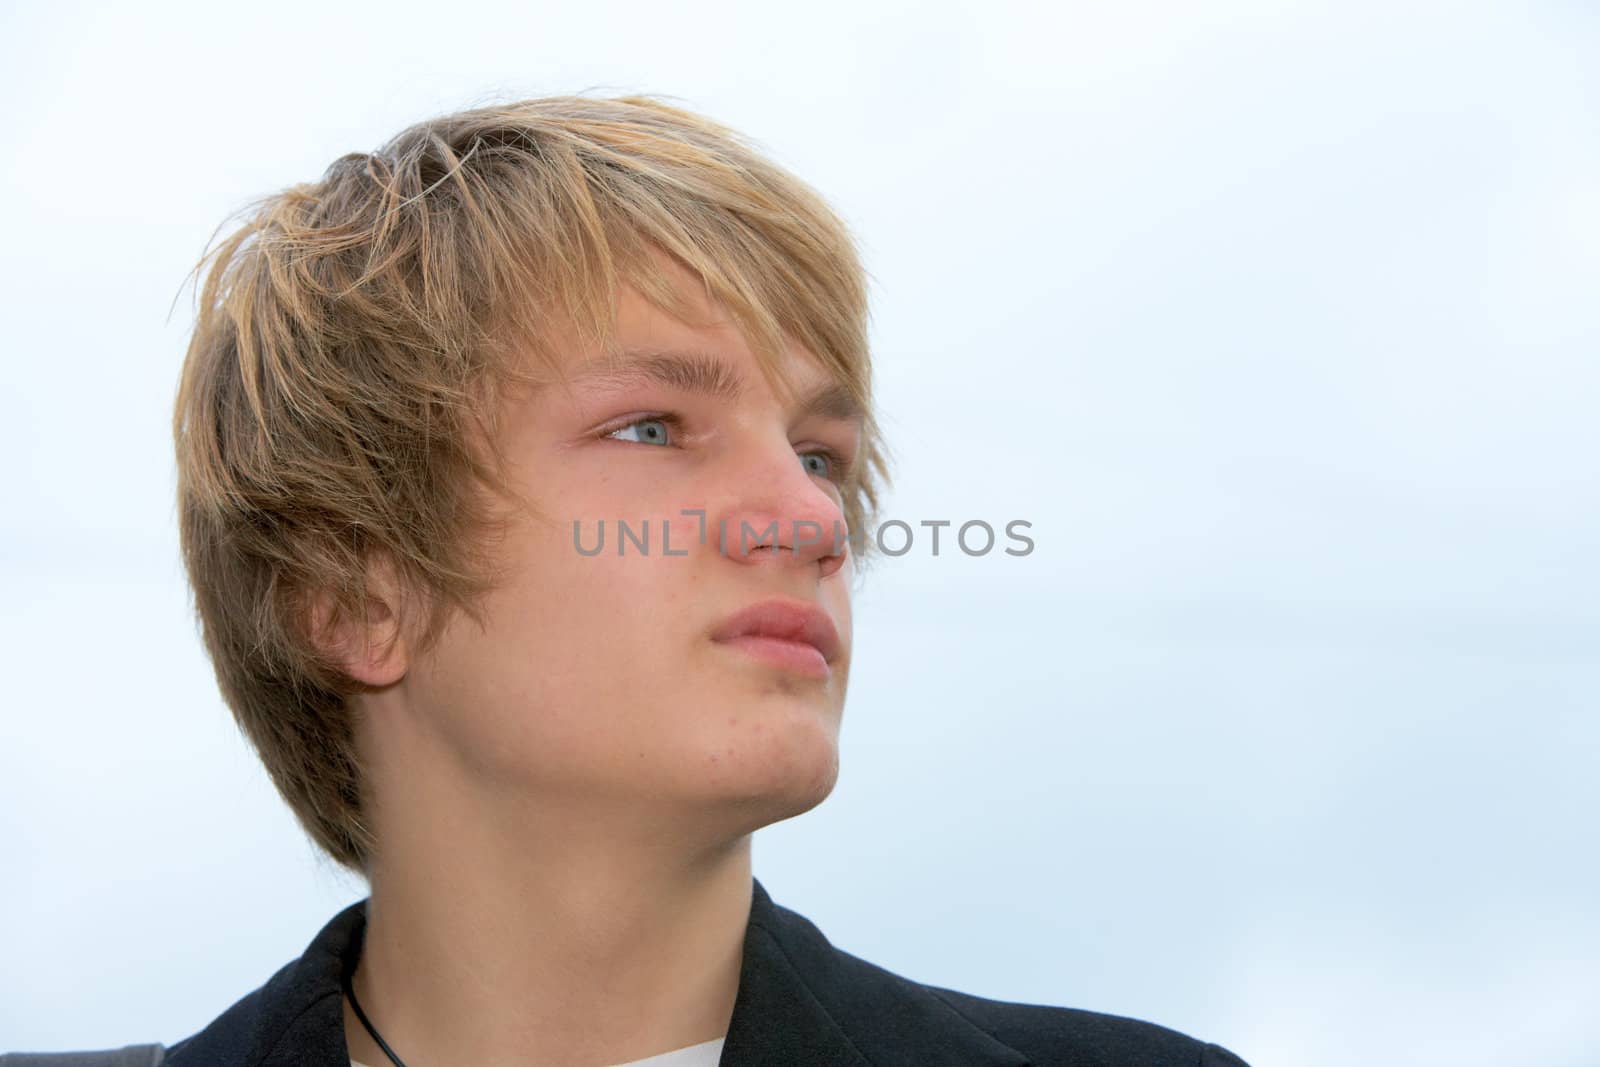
[793, 621]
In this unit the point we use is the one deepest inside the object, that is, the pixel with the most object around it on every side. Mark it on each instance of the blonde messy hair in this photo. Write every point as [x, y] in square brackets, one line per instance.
[353, 336]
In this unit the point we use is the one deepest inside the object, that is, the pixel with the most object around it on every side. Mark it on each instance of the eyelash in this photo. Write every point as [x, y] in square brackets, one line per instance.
[839, 464]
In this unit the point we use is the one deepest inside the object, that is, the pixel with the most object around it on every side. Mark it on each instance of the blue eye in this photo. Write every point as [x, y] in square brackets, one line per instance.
[823, 458]
[654, 433]
[662, 430]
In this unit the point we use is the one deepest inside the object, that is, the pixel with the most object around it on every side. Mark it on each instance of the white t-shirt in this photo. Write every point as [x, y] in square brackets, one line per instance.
[705, 1054]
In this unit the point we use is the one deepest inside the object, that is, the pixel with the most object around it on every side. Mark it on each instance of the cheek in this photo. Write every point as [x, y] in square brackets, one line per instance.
[572, 675]
[584, 625]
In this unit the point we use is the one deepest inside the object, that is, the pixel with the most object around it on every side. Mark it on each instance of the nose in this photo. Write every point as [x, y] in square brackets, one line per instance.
[781, 515]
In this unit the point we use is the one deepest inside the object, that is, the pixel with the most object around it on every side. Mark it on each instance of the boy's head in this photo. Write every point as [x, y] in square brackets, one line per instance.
[421, 388]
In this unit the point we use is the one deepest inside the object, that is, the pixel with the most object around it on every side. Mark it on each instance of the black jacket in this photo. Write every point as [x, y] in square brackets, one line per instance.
[801, 1003]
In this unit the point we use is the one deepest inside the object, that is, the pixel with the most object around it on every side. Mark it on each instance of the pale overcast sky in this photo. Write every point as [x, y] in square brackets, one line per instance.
[1276, 321]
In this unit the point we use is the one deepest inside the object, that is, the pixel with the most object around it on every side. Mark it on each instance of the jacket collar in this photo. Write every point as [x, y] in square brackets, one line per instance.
[800, 1002]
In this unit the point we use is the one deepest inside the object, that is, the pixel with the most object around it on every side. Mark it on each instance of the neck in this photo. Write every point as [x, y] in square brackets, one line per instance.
[557, 936]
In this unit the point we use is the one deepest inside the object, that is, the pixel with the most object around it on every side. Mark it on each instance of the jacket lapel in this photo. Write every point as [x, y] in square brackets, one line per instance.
[296, 1019]
[803, 1002]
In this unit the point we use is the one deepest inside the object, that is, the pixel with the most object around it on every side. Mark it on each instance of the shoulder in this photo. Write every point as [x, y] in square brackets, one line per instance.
[294, 1018]
[224, 1040]
[1060, 1035]
[127, 1056]
[886, 1015]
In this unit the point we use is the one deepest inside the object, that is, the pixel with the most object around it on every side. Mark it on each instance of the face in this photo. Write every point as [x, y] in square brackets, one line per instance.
[606, 678]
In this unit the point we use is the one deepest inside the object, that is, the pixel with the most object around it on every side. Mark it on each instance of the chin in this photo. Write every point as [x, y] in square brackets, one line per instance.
[774, 766]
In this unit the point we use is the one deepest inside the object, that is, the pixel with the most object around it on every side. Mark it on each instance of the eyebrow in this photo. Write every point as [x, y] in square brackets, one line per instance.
[697, 371]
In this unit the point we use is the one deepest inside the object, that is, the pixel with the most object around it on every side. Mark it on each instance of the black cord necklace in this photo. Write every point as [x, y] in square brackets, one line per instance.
[350, 991]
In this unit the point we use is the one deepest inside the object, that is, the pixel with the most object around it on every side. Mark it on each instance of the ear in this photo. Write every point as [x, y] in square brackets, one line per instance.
[373, 649]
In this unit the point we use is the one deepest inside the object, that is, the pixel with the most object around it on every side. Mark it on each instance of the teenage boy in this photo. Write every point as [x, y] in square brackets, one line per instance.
[420, 392]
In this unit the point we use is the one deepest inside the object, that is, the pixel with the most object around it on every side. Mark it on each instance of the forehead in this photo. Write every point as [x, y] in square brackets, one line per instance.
[703, 353]
[712, 373]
